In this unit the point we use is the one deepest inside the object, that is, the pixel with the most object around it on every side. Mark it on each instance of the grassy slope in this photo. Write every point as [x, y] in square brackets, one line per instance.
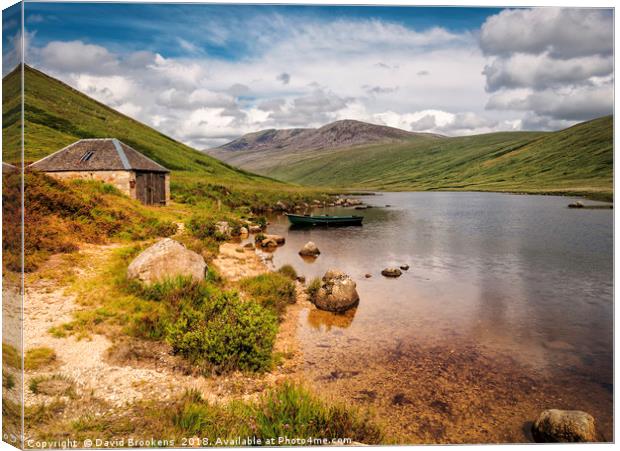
[576, 160]
[57, 115]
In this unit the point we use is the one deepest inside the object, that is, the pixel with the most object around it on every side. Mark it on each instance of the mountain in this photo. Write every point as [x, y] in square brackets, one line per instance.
[577, 160]
[56, 115]
[345, 133]
[250, 150]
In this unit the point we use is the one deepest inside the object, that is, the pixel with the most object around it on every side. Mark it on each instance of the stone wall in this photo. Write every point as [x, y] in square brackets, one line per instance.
[119, 179]
[167, 189]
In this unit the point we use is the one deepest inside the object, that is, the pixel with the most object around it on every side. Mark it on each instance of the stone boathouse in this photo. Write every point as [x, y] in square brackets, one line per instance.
[113, 162]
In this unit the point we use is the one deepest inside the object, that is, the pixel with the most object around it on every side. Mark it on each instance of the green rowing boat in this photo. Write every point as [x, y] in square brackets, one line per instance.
[325, 220]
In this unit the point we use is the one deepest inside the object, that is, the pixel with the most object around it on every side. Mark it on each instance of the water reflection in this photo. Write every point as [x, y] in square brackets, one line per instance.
[325, 321]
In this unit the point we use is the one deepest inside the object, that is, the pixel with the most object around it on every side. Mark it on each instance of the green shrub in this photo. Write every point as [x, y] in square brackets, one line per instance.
[204, 227]
[273, 290]
[224, 333]
[313, 288]
[288, 271]
[173, 290]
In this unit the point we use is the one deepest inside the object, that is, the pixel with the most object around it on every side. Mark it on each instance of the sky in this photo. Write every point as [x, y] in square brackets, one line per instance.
[206, 74]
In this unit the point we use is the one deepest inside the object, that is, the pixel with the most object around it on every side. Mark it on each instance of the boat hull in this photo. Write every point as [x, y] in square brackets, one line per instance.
[327, 221]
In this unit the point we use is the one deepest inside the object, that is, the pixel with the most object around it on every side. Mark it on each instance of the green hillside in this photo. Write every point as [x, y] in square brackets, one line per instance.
[57, 115]
[578, 160]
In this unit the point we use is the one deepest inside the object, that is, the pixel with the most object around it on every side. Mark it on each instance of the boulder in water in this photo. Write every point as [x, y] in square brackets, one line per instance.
[391, 272]
[309, 250]
[337, 292]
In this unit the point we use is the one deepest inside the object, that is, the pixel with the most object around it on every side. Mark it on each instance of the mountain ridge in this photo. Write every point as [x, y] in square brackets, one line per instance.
[341, 133]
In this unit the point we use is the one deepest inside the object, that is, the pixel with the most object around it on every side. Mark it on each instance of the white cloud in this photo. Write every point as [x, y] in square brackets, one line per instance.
[569, 104]
[542, 71]
[563, 32]
[78, 57]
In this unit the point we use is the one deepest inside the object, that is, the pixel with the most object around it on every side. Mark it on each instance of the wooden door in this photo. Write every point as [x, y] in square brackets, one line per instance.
[159, 188]
[141, 187]
[151, 188]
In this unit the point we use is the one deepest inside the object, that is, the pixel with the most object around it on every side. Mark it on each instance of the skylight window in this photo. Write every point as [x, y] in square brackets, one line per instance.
[87, 156]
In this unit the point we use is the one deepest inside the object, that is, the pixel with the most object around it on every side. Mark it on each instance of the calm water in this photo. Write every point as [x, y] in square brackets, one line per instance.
[517, 276]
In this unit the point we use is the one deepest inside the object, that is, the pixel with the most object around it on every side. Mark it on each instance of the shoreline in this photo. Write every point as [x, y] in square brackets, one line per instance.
[595, 196]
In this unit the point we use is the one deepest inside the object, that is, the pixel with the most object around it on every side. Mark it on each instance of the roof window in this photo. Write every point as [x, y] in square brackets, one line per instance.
[87, 156]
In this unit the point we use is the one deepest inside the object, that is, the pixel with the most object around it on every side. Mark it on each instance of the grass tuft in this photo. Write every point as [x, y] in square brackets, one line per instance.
[37, 358]
[313, 288]
[54, 385]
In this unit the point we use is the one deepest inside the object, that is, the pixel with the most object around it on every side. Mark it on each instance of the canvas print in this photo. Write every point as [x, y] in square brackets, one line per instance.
[239, 225]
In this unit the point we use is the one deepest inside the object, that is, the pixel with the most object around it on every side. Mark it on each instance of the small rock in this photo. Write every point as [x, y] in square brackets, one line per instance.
[404, 267]
[367, 275]
[563, 426]
[269, 242]
[223, 228]
[243, 231]
[576, 204]
[391, 272]
[255, 229]
[309, 250]
[279, 239]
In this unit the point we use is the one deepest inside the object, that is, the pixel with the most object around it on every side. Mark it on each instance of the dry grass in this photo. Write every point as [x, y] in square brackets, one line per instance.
[38, 358]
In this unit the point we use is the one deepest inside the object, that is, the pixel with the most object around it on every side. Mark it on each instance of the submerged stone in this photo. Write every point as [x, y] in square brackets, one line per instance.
[556, 425]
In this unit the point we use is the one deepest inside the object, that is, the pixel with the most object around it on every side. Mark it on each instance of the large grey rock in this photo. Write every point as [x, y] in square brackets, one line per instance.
[309, 250]
[337, 292]
[556, 425]
[166, 259]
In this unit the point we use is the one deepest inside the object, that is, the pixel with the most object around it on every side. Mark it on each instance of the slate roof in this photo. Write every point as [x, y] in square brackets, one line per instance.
[104, 154]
